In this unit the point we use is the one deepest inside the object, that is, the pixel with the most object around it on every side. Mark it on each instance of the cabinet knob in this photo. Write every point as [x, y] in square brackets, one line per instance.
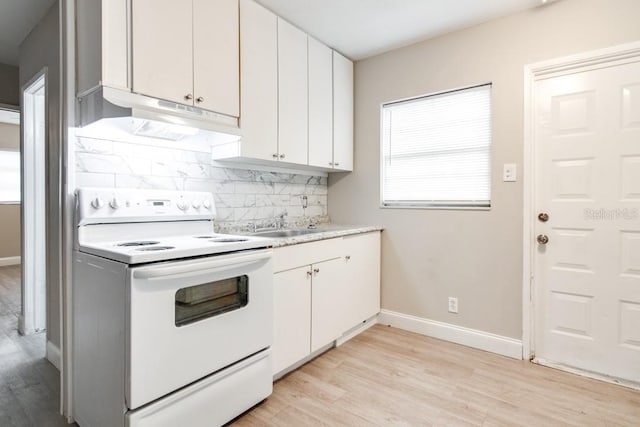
[200, 99]
[316, 270]
[348, 257]
[188, 96]
[282, 156]
[336, 164]
[275, 155]
[308, 274]
[330, 163]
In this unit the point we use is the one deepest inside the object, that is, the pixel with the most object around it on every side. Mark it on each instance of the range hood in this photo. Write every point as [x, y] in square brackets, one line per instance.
[150, 117]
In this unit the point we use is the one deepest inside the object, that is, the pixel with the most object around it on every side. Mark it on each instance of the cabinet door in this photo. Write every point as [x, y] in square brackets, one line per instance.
[292, 317]
[162, 49]
[216, 56]
[328, 303]
[292, 94]
[258, 81]
[320, 105]
[342, 112]
[362, 277]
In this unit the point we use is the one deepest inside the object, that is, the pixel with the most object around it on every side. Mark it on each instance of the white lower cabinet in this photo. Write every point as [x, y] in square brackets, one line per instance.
[291, 317]
[328, 307]
[322, 290]
[362, 273]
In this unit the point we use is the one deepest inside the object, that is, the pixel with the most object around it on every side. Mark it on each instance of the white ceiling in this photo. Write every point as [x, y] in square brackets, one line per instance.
[363, 28]
[17, 19]
[357, 28]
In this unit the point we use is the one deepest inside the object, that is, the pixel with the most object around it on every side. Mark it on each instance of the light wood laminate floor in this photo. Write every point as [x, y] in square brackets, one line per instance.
[384, 377]
[387, 376]
[29, 383]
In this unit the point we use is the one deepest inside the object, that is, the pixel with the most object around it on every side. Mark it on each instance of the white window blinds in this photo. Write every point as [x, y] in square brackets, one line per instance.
[436, 150]
[9, 176]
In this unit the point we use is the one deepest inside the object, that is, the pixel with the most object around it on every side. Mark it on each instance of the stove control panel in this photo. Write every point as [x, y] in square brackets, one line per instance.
[113, 205]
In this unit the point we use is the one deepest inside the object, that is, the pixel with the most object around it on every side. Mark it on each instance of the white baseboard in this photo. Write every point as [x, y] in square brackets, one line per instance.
[486, 341]
[53, 355]
[10, 260]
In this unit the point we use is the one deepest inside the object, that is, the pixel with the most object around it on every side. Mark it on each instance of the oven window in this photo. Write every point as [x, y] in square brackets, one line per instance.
[211, 299]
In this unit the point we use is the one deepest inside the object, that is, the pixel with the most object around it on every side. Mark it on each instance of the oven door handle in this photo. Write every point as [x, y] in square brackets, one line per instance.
[200, 267]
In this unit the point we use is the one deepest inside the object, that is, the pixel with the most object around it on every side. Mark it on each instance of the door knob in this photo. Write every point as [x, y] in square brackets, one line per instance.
[544, 217]
[543, 239]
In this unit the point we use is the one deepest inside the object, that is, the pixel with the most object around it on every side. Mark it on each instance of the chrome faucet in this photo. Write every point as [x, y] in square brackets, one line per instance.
[280, 221]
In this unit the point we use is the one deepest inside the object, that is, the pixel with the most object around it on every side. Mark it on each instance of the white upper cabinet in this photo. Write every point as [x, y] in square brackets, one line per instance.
[163, 49]
[258, 81]
[216, 59]
[296, 96]
[320, 105]
[342, 112]
[293, 101]
[187, 52]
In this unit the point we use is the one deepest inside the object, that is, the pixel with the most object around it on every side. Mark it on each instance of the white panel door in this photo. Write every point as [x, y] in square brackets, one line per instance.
[320, 104]
[328, 305]
[162, 49]
[291, 317]
[216, 56]
[293, 114]
[258, 81]
[342, 112]
[587, 172]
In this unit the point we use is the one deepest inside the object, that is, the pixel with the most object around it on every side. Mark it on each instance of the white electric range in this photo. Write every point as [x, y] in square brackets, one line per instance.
[172, 323]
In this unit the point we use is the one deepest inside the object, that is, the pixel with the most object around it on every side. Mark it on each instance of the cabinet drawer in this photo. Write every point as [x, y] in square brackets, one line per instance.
[288, 257]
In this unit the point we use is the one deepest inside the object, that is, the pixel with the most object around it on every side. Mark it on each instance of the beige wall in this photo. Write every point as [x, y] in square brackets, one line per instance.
[428, 255]
[9, 214]
[9, 87]
[41, 49]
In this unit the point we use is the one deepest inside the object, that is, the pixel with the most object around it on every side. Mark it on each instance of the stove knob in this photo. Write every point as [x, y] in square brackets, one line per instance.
[182, 205]
[97, 203]
[115, 203]
[196, 204]
[206, 204]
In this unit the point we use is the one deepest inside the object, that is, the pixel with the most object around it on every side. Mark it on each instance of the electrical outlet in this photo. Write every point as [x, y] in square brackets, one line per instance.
[453, 305]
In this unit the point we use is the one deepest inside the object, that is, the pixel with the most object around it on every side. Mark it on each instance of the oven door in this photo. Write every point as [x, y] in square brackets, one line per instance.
[188, 319]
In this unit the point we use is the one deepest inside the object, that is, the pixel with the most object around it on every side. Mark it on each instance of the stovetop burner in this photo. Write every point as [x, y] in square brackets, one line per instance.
[140, 243]
[156, 248]
[228, 240]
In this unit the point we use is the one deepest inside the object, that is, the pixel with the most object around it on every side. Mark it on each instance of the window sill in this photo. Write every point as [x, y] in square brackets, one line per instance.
[437, 207]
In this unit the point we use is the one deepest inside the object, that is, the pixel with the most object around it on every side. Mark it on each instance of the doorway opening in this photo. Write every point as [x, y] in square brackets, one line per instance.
[34, 143]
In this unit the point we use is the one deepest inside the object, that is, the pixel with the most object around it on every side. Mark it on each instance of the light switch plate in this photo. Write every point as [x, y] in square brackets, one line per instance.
[509, 172]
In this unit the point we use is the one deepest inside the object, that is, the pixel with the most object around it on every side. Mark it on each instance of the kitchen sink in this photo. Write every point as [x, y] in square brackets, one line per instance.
[288, 233]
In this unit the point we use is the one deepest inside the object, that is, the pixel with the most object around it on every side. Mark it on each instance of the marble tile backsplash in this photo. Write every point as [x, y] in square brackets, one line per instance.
[243, 197]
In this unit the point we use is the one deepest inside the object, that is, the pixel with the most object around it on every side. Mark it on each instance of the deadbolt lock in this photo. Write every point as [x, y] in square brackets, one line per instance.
[543, 217]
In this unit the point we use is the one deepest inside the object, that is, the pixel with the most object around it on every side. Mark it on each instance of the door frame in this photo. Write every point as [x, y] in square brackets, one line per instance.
[33, 317]
[532, 72]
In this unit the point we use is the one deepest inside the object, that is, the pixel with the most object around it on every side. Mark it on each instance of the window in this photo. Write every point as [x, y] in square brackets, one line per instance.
[436, 150]
[9, 176]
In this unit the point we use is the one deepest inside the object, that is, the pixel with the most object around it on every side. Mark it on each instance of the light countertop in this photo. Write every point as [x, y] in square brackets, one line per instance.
[324, 231]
